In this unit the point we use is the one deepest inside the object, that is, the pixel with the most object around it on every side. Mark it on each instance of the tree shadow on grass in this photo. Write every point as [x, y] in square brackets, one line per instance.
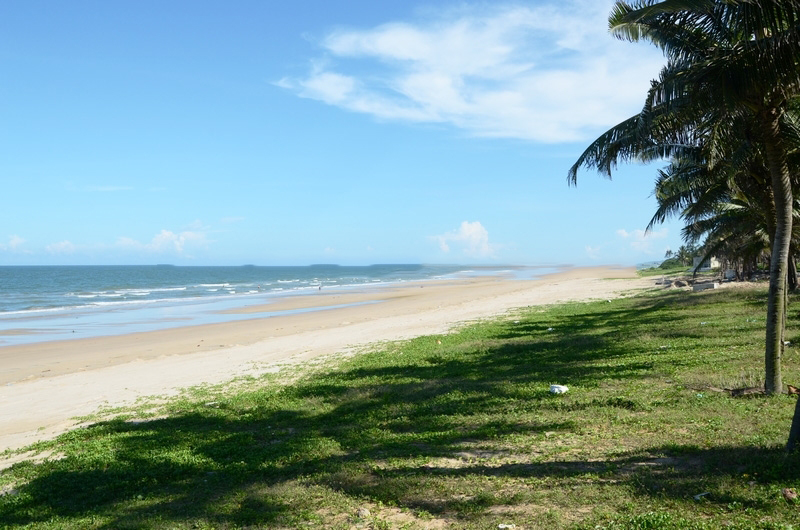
[254, 459]
[226, 472]
[722, 476]
[584, 332]
[201, 467]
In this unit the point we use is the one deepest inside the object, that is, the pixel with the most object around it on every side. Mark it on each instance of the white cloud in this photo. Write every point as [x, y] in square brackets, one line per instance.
[547, 72]
[198, 226]
[641, 240]
[14, 244]
[166, 241]
[62, 247]
[471, 237]
[593, 252]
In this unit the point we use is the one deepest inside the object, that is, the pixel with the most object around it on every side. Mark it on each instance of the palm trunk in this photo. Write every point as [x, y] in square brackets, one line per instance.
[776, 304]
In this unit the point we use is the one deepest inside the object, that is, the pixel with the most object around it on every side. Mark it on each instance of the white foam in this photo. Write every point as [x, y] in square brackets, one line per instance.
[162, 289]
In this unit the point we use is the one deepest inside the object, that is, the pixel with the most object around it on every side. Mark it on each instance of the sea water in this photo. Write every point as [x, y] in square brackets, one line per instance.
[43, 303]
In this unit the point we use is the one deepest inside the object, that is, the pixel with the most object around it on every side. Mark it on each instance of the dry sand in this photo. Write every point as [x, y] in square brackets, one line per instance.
[43, 386]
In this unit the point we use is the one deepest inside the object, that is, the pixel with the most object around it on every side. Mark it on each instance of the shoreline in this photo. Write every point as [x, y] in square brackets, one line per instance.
[44, 385]
[74, 302]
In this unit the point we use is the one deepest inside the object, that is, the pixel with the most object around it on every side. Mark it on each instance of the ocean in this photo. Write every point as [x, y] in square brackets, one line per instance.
[44, 303]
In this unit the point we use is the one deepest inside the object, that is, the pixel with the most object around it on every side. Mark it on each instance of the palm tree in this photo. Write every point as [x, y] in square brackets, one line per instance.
[731, 225]
[727, 207]
[728, 61]
[686, 254]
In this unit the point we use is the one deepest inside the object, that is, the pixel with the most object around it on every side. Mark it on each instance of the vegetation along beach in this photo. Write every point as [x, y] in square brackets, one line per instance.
[456, 428]
[171, 357]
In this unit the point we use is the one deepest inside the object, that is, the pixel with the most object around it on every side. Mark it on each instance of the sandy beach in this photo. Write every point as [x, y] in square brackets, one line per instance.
[44, 386]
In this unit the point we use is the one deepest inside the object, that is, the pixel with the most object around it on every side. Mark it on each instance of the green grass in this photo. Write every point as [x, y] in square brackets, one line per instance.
[670, 270]
[679, 271]
[457, 431]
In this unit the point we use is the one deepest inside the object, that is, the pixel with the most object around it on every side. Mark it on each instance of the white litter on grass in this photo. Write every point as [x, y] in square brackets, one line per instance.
[550, 329]
[502, 525]
[558, 389]
[701, 495]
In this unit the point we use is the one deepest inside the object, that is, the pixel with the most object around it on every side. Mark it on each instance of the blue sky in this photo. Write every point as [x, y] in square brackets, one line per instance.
[289, 133]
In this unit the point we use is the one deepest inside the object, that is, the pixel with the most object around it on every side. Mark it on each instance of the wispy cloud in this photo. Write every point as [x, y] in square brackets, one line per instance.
[547, 72]
[14, 242]
[14, 245]
[62, 247]
[643, 241]
[471, 238]
[593, 252]
[166, 241]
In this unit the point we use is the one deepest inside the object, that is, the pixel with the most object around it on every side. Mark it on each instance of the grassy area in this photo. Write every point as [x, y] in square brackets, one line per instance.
[673, 270]
[679, 271]
[458, 431]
